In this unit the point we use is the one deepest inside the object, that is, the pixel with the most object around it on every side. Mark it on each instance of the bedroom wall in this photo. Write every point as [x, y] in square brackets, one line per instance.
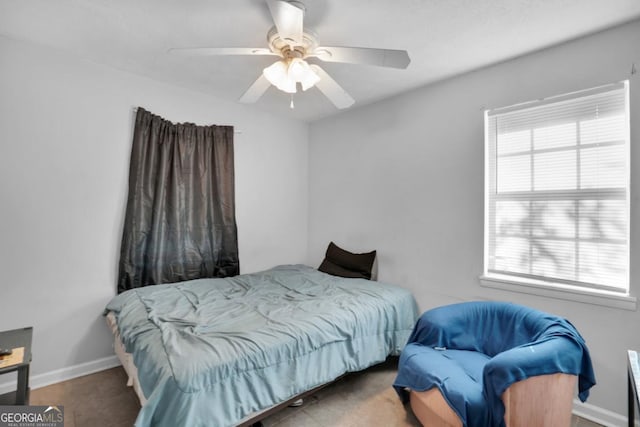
[66, 128]
[405, 177]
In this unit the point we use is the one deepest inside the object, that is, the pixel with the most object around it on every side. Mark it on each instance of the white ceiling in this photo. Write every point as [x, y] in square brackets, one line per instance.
[443, 38]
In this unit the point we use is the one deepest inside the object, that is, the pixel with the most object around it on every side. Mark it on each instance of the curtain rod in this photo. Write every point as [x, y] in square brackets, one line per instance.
[235, 131]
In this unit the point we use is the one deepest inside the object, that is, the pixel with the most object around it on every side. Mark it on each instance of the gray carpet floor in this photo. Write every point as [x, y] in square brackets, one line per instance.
[361, 399]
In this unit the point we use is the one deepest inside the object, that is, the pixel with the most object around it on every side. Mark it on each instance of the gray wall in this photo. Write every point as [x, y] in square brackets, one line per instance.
[66, 127]
[405, 177]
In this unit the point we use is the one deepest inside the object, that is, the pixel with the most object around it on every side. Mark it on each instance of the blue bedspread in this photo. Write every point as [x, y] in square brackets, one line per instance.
[474, 351]
[209, 352]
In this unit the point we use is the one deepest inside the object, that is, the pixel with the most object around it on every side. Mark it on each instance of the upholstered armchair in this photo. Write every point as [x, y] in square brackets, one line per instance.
[493, 364]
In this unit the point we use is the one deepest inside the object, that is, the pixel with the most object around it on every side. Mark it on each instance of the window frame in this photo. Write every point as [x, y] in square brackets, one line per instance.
[545, 286]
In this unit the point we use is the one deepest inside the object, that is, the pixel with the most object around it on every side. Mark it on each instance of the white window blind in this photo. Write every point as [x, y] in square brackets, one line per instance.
[557, 182]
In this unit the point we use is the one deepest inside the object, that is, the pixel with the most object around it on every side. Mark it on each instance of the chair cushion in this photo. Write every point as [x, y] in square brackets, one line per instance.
[457, 373]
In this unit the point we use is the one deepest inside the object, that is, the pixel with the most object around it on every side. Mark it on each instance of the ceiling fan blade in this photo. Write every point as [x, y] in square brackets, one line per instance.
[331, 89]
[256, 90]
[363, 55]
[211, 51]
[288, 17]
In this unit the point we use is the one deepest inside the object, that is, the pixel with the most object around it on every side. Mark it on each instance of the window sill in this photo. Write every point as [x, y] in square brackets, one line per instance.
[558, 291]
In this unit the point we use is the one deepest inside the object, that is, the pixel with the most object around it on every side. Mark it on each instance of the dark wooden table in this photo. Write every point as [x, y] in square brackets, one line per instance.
[13, 339]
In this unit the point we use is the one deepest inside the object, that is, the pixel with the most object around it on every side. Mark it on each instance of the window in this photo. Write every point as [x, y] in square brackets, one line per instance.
[557, 191]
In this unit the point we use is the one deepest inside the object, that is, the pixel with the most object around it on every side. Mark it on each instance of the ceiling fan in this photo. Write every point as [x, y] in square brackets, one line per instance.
[294, 44]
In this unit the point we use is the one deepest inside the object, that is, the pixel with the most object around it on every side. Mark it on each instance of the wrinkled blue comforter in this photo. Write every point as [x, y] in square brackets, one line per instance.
[210, 352]
[474, 351]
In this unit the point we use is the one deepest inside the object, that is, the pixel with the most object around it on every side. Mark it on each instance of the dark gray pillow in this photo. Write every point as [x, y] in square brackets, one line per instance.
[339, 262]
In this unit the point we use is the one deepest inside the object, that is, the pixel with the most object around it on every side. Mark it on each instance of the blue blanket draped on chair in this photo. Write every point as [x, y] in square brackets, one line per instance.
[474, 351]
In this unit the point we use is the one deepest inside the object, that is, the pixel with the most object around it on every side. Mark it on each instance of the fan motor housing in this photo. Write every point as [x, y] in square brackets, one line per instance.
[288, 50]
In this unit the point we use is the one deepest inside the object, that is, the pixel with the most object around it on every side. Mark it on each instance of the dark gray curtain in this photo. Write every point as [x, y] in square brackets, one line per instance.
[180, 218]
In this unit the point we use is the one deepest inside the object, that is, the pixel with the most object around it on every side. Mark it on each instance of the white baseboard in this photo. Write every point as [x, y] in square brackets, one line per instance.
[598, 415]
[59, 375]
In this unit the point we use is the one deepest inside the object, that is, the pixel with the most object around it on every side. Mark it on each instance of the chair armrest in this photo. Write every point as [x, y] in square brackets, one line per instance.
[556, 354]
[553, 355]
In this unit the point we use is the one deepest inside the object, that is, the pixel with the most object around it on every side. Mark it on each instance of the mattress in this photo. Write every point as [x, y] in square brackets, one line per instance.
[214, 351]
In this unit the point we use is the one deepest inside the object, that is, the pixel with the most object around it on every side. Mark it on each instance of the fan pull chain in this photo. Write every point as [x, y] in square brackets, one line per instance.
[291, 104]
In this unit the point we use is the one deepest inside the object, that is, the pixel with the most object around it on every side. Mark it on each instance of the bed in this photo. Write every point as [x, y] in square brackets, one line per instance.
[219, 351]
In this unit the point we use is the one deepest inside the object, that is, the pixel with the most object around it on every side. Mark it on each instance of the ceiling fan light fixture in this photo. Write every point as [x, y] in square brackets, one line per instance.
[285, 74]
[299, 71]
[277, 75]
[310, 80]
